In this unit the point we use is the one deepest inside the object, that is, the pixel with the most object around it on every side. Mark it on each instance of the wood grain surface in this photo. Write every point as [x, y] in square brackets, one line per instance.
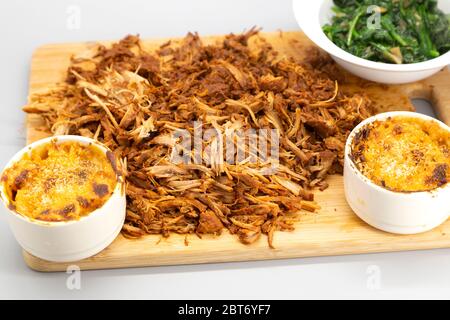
[334, 230]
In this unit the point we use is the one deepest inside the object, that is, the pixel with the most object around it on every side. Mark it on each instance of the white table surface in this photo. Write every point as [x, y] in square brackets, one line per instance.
[24, 25]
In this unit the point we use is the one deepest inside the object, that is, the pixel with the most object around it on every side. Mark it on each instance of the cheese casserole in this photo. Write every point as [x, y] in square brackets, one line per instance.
[60, 181]
[403, 154]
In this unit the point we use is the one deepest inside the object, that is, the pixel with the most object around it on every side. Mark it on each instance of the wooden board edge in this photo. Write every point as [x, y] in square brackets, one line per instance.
[439, 96]
[39, 265]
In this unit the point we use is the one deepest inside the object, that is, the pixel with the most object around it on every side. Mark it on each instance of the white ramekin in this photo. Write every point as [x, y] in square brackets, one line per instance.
[69, 240]
[396, 212]
[312, 15]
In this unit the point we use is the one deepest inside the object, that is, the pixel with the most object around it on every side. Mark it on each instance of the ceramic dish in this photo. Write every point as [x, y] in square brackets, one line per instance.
[391, 211]
[312, 15]
[72, 240]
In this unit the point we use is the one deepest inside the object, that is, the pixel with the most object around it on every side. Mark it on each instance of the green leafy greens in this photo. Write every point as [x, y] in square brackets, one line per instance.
[397, 31]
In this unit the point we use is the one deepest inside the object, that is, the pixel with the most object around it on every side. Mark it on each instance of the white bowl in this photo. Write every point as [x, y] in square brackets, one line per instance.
[396, 212]
[312, 15]
[65, 241]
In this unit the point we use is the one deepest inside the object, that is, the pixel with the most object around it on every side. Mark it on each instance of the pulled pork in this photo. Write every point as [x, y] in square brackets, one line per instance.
[134, 101]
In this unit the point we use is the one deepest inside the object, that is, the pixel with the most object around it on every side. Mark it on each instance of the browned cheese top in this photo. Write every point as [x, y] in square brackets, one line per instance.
[403, 154]
[60, 181]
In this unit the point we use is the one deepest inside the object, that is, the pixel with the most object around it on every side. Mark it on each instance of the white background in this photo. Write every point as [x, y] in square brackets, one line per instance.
[24, 25]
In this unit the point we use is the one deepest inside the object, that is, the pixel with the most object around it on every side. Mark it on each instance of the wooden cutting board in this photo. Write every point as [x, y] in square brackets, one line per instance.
[334, 230]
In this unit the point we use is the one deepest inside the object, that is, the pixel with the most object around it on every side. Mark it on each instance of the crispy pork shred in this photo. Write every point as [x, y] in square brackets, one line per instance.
[134, 100]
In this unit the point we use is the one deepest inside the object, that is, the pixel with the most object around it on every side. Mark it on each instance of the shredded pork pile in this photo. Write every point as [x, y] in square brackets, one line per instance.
[133, 101]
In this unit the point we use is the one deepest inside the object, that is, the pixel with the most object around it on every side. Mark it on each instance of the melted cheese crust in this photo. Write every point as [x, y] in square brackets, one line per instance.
[403, 154]
[60, 182]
